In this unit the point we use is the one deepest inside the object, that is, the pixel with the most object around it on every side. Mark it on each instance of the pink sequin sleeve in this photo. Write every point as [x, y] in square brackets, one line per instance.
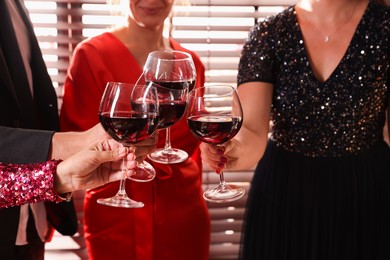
[27, 183]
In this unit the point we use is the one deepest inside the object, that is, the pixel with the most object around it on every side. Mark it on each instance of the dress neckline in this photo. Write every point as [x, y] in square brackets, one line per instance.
[348, 51]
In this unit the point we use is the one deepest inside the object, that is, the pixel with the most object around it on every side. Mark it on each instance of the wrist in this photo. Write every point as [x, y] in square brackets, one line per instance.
[62, 180]
[65, 144]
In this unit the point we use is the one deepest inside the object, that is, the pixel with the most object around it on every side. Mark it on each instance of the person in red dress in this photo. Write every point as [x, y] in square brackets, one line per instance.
[174, 223]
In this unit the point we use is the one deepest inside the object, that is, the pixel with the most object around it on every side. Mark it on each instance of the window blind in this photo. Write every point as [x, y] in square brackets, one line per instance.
[214, 29]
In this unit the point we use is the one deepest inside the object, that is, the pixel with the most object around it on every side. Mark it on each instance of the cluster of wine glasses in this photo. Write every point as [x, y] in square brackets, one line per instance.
[131, 113]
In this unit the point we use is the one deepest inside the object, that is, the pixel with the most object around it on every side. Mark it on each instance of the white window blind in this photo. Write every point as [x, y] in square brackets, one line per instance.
[214, 29]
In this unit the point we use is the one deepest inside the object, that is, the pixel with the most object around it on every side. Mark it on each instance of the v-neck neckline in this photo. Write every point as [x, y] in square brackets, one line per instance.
[343, 59]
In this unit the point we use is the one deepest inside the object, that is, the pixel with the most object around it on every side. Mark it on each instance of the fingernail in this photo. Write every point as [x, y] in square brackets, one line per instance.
[221, 165]
[223, 159]
[220, 151]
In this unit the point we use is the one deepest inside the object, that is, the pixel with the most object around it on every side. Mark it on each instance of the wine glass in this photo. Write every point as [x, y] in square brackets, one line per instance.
[172, 70]
[129, 114]
[214, 116]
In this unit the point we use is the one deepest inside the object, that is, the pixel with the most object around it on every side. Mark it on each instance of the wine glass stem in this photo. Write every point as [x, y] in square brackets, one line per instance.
[167, 145]
[122, 183]
[122, 190]
[222, 182]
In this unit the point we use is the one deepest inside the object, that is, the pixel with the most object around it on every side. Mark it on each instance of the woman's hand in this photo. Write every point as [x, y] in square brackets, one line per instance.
[66, 144]
[95, 166]
[221, 157]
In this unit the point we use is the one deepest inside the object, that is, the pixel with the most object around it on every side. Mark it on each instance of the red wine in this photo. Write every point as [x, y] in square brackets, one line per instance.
[214, 129]
[129, 127]
[170, 112]
[177, 84]
[172, 101]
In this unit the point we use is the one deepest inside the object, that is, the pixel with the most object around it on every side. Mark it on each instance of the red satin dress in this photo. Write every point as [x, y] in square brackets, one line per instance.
[174, 223]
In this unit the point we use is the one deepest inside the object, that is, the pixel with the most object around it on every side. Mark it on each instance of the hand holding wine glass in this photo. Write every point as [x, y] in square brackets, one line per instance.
[129, 114]
[214, 116]
[173, 70]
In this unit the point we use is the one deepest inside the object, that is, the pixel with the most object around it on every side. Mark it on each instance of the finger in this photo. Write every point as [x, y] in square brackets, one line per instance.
[129, 173]
[214, 157]
[117, 173]
[130, 157]
[112, 155]
[111, 144]
[211, 153]
[129, 164]
[130, 149]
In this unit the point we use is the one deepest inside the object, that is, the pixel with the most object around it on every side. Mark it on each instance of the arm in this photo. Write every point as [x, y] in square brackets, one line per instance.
[247, 147]
[24, 145]
[256, 73]
[30, 183]
[65, 144]
[33, 146]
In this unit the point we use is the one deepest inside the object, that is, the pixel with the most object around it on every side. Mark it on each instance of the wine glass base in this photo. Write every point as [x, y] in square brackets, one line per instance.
[224, 193]
[120, 202]
[143, 173]
[170, 156]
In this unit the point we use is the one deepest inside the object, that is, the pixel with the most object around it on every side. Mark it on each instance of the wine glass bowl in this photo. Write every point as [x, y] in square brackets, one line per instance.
[172, 105]
[214, 116]
[175, 74]
[170, 69]
[129, 114]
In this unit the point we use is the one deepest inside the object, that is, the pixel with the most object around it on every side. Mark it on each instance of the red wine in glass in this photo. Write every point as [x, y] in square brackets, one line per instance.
[214, 129]
[128, 127]
[170, 112]
[172, 101]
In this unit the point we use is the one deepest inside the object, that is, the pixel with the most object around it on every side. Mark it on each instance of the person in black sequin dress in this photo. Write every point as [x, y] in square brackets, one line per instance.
[320, 71]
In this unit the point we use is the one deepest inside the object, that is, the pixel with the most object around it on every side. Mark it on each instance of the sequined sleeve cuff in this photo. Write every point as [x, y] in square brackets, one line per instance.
[27, 183]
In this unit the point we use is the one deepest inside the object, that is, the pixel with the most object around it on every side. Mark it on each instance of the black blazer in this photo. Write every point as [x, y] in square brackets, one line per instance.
[18, 145]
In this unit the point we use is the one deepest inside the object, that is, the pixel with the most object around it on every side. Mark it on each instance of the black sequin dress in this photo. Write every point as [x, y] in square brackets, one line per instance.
[322, 189]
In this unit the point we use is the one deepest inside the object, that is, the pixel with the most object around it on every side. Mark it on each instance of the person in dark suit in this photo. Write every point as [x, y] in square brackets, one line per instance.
[28, 120]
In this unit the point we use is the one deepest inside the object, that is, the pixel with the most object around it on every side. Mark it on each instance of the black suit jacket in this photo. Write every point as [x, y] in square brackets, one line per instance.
[18, 145]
